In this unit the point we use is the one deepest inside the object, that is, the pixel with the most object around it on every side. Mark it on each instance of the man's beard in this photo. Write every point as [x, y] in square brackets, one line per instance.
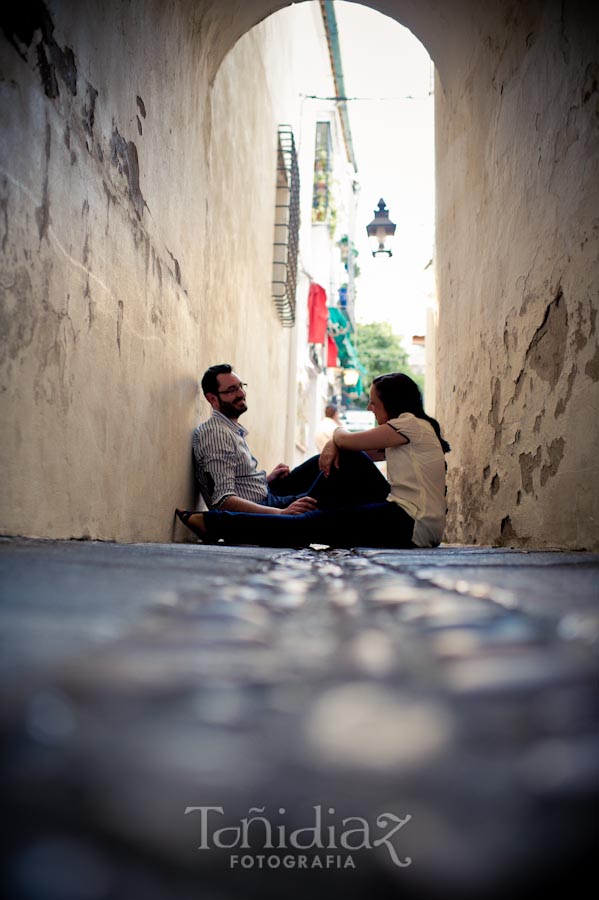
[232, 410]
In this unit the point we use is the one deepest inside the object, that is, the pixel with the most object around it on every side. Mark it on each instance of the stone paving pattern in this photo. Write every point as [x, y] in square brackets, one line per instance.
[457, 686]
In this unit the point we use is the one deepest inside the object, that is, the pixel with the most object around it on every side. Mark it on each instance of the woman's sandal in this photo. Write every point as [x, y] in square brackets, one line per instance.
[184, 515]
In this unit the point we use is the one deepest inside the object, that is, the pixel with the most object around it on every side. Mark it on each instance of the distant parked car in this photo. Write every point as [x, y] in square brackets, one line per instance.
[358, 419]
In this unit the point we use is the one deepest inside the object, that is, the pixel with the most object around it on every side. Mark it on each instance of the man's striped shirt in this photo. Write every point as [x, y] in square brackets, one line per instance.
[224, 465]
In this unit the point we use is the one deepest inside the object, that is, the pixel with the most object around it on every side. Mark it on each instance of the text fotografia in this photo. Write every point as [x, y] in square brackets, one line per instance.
[258, 832]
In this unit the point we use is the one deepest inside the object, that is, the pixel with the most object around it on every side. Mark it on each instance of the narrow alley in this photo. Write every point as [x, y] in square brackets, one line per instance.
[180, 187]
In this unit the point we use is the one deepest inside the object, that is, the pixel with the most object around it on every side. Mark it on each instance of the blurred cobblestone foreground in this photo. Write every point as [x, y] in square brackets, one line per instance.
[437, 707]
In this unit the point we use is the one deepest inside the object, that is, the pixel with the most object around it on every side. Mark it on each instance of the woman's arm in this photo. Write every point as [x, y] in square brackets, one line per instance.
[374, 439]
[376, 455]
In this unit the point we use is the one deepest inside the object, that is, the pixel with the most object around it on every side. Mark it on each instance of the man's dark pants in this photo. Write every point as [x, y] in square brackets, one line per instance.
[355, 482]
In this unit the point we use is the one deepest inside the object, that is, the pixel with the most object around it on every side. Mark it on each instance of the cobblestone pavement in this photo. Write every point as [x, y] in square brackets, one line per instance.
[429, 717]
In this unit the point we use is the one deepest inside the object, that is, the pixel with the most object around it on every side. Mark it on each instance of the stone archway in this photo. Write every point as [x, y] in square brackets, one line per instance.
[439, 29]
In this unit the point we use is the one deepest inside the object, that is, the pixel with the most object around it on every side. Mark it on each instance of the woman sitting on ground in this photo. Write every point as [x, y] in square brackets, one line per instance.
[407, 510]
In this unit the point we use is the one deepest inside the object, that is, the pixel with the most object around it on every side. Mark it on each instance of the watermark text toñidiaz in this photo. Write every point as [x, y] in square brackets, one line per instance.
[254, 832]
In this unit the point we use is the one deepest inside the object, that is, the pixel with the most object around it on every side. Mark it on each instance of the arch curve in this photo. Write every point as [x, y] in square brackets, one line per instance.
[436, 27]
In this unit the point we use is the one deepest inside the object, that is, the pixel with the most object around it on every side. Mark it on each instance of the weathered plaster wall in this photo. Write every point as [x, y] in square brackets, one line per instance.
[241, 191]
[136, 211]
[518, 274]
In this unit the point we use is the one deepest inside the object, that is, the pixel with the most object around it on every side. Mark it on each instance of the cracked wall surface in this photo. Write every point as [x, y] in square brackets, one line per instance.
[518, 269]
[125, 145]
[119, 282]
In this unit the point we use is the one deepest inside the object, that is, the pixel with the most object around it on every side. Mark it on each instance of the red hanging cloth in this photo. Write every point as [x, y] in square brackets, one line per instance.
[332, 356]
[318, 314]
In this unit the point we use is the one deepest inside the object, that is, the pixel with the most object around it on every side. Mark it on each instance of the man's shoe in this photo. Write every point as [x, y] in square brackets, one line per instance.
[184, 515]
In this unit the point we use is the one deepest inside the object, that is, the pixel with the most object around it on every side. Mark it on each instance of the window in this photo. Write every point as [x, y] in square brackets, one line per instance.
[321, 195]
[284, 275]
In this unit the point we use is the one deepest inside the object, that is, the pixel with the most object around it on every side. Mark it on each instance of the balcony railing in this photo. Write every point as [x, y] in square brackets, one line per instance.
[284, 276]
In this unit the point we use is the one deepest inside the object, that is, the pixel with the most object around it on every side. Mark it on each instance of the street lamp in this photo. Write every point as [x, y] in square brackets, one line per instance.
[351, 377]
[380, 229]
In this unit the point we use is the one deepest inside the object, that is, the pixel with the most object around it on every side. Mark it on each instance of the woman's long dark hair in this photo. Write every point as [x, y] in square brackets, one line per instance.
[399, 394]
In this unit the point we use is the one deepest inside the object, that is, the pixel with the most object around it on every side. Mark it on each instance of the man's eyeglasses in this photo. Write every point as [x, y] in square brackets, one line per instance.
[234, 389]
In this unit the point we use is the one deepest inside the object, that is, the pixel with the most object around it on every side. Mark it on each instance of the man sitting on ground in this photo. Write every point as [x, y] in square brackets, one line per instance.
[226, 470]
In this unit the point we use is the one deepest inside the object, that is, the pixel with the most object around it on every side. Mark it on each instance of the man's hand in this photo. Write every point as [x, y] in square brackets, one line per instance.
[299, 506]
[279, 471]
[329, 457]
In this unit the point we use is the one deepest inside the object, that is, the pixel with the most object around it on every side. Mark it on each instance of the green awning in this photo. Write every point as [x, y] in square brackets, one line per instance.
[348, 358]
[338, 322]
[340, 327]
